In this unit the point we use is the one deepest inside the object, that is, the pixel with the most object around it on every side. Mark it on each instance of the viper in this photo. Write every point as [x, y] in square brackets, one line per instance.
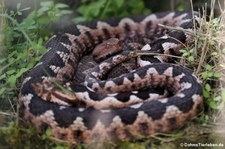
[116, 79]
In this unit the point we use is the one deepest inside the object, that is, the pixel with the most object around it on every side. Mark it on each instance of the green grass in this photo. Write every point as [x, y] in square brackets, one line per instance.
[21, 45]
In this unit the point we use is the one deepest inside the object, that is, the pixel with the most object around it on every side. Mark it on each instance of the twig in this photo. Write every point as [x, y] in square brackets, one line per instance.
[8, 114]
[142, 53]
[191, 32]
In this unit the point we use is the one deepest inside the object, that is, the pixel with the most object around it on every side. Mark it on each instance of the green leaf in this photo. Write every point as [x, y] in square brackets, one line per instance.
[79, 19]
[12, 81]
[183, 51]
[61, 5]
[42, 11]
[22, 71]
[64, 12]
[185, 54]
[206, 94]
[47, 4]
[2, 76]
[217, 74]
[216, 105]
[210, 74]
[119, 3]
[204, 75]
[2, 90]
[61, 147]
[191, 58]
[24, 9]
[220, 106]
[208, 67]
[217, 98]
[207, 87]
[223, 51]
[214, 54]
[215, 21]
[13, 77]
[211, 42]
[12, 12]
[10, 72]
[43, 20]
[18, 6]
[192, 50]
[19, 13]
[48, 133]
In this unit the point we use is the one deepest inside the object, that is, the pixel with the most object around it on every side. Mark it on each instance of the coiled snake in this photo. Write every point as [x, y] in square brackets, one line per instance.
[121, 107]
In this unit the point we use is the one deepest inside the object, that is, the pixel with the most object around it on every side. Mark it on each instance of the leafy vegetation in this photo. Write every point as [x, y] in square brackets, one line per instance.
[22, 43]
[21, 47]
[103, 9]
[205, 56]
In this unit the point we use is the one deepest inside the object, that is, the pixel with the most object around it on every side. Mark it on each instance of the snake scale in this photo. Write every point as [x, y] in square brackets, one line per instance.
[123, 107]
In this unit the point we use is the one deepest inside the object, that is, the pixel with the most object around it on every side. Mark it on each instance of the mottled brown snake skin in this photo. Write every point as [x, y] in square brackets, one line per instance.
[123, 107]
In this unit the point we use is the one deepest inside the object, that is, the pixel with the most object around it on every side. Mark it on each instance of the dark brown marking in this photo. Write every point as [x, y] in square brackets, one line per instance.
[143, 128]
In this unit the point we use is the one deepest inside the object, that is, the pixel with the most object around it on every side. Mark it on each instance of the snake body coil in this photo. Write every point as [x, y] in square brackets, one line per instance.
[119, 108]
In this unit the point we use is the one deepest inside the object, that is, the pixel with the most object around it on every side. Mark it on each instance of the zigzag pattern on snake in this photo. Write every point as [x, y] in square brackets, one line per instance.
[123, 107]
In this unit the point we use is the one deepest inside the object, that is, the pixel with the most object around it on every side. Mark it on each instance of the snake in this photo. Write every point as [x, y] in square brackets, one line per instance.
[155, 95]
